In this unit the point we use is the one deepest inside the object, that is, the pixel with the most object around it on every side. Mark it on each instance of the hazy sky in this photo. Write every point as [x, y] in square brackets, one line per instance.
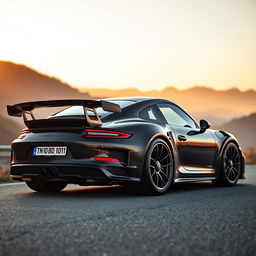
[146, 44]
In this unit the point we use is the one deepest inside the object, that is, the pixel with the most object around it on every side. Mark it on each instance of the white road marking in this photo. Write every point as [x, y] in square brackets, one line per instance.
[12, 184]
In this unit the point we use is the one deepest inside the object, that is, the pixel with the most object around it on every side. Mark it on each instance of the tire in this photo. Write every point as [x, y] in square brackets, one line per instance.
[158, 170]
[46, 186]
[230, 167]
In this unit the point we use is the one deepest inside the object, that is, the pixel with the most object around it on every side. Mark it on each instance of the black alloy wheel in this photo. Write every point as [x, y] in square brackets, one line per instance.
[160, 165]
[158, 169]
[46, 186]
[230, 167]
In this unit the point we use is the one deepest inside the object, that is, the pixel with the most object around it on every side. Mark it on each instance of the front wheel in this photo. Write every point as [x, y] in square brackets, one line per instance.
[158, 169]
[230, 169]
[46, 186]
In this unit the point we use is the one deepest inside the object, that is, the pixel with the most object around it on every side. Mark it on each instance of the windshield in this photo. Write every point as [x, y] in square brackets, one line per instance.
[78, 110]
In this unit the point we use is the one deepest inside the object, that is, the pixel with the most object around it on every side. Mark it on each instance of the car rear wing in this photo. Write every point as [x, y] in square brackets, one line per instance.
[25, 109]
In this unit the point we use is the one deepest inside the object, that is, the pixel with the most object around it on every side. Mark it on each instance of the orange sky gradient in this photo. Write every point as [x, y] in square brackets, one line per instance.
[143, 44]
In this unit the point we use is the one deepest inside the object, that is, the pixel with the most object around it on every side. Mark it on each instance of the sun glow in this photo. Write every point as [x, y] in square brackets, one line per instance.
[145, 44]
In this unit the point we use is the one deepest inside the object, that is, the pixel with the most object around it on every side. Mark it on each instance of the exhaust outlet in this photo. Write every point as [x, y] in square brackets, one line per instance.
[49, 172]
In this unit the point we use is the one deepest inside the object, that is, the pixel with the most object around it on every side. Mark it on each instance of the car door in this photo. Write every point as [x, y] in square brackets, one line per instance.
[198, 152]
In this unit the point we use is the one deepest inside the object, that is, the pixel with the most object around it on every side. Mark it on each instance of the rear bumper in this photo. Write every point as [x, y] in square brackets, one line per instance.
[77, 174]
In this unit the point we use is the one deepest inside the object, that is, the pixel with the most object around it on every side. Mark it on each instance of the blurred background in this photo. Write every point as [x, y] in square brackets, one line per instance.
[199, 54]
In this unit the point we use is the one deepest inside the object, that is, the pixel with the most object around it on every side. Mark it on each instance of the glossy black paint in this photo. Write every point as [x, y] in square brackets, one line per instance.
[197, 150]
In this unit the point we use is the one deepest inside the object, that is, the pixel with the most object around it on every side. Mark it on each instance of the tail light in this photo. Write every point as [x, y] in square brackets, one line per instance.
[13, 158]
[105, 134]
[108, 159]
[23, 133]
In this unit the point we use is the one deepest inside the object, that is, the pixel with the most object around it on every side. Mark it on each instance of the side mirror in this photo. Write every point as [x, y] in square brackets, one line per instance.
[204, 125]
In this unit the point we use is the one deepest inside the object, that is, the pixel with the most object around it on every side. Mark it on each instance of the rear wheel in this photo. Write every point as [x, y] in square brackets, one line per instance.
[230, 169]
[46, 186]
[158, 168]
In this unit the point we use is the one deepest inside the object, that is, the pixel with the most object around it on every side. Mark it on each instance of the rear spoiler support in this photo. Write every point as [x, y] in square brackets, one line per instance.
[25, 113]
[26, 108]
[90, 121]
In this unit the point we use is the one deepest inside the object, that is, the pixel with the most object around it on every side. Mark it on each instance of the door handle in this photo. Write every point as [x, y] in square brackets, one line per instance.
[182, 138]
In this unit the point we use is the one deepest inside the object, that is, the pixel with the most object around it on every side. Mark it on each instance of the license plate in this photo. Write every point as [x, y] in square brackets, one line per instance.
[50, 151]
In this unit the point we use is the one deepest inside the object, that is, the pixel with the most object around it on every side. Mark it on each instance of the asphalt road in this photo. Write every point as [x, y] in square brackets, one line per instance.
[192, 219]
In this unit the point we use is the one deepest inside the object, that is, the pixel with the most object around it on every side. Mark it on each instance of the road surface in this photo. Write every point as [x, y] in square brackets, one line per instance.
[192, 219]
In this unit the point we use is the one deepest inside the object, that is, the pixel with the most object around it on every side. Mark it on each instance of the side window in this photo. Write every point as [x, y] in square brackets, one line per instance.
[175, 116]
[149, 113]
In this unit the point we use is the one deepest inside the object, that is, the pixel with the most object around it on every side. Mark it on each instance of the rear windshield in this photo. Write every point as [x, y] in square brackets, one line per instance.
[78, 110]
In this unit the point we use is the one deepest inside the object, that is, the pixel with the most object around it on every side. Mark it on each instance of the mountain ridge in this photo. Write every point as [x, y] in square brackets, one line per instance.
[202, 102]
[19, 83]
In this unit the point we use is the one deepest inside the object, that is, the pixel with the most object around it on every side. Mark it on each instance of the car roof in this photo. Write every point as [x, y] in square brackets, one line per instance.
[135, 99]
[150, 100]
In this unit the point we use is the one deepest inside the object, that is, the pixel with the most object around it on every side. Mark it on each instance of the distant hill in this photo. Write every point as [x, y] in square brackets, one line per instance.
[19, 83]
[9, 130]
[244, 130]
[202, 102]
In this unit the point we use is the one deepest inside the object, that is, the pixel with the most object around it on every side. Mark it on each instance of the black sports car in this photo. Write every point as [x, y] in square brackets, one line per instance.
[146, 143]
